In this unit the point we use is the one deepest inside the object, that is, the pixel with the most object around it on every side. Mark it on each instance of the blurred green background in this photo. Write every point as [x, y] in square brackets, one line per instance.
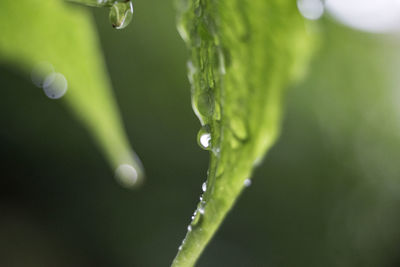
[328, 193]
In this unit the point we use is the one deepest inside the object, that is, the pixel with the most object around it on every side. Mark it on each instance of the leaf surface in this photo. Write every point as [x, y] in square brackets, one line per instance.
[243, 54]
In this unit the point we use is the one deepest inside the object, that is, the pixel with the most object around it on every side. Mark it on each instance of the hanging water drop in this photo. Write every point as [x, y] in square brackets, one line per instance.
[121, 11]
[204, 138]
[121, 14]
[189, 228]
[126, 175]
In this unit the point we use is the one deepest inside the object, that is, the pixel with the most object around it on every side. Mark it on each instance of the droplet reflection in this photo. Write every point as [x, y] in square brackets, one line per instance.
[204, 138]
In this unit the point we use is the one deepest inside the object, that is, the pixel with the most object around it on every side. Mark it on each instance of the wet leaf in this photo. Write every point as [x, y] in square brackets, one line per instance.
[40, 35]
[243, 54]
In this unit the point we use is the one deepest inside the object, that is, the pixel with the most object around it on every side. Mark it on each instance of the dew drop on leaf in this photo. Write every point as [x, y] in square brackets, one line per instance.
[204, 187]
[201, 207]
[203, 101]
[195, 217]
[201, 210]
[204, 138]
[121, 14]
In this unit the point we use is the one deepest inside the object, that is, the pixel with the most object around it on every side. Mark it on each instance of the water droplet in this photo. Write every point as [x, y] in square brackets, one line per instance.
[121, 14]
[55, 85]
[204, 138]
[40, 72]
[201, 210]
[204, 186]
[204, 102]
[194, 214]
[201, 207]
[195, 217]
[311, 9]
[180, 248]
[189, 228]
[126, 175]
[247, 182]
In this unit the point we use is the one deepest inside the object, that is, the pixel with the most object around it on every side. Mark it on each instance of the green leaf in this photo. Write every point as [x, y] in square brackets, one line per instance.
[242, 56]
[63, 35]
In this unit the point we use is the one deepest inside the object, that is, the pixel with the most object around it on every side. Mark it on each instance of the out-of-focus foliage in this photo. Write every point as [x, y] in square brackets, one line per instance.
[60, 34]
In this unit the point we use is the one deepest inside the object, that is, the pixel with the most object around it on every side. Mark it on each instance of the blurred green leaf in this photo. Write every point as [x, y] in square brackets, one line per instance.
[63, 35]
[243, 54]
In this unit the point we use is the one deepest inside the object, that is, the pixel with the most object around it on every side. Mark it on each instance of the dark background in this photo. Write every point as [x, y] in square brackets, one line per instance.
[328, 193]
